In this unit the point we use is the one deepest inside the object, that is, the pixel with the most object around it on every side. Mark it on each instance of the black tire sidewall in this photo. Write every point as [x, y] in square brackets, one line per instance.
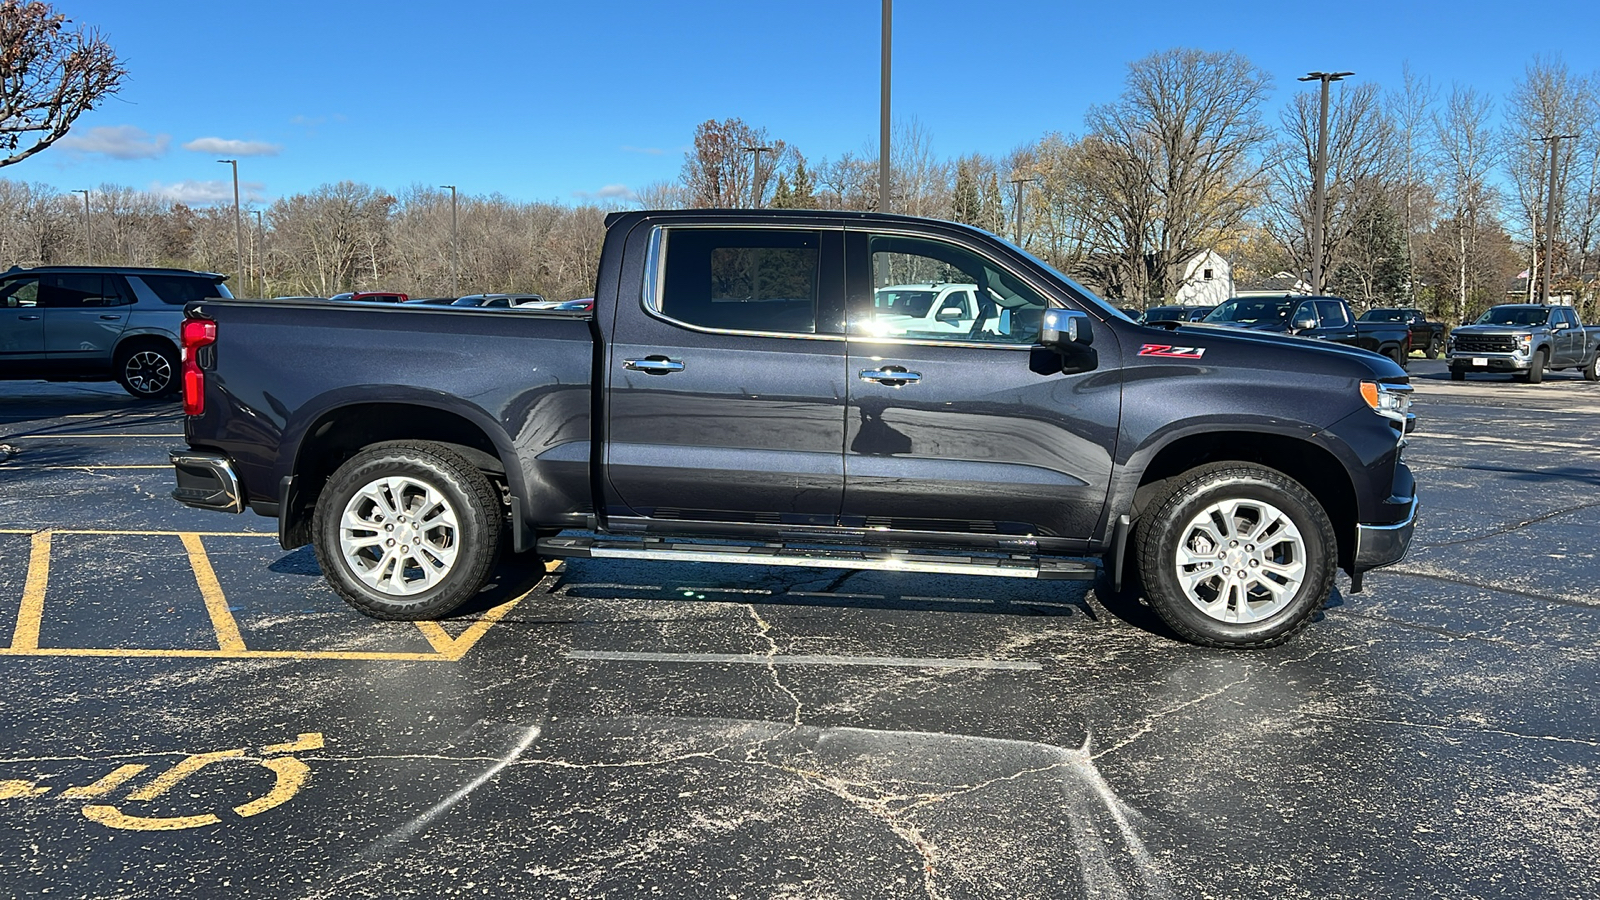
[477, 521]
[1536, 367]
[1164, 529]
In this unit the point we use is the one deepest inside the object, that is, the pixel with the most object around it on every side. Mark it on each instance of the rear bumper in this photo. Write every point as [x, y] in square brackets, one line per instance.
[1382, 545]
[206, 482]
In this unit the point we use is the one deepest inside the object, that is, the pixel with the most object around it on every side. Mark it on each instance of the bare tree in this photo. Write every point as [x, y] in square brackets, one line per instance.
[720, 173]
[49, 75]
[1181, 152]
[1465, 153]
[1410, 109]
[1548, 101]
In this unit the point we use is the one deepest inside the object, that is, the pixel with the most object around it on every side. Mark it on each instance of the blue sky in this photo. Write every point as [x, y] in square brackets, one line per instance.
[564, 101]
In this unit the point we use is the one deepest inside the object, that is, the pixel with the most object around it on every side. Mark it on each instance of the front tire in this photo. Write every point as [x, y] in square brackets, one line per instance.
[1590, 373]
[1458, 374]
[147, 371]
[1433, 348]
[407, 530]
[1536, 368]
[1237, 556]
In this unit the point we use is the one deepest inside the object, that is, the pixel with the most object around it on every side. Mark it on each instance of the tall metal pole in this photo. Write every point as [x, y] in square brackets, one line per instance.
[238, 227]
[755, 174]
[883, 106]
[1554, 142]
[1019, 182]
[261, 268]
[455, 247]
[1320, 193]
[88, 230]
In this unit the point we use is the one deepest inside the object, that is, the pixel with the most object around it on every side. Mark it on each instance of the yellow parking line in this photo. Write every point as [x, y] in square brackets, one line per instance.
[31, 613]
[152, 653]
[454, 648]
[228, 636]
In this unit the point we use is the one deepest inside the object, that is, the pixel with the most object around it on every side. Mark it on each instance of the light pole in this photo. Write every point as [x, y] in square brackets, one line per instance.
[261, 268]
[455, 249]
[883, 116]
[238, 228]
[88, 231]
[1320, 196]
[1553, 141]
[1017, 204]
[755, 174]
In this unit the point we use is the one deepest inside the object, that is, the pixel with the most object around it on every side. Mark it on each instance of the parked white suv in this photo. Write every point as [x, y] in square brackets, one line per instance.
[98, 323]
[931, 309]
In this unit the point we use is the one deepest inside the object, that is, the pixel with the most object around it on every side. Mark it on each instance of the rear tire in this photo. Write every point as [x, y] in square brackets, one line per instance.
[1276, 563]
[1400, 358]
[1536, 368]
[407, 530]
[147, 371]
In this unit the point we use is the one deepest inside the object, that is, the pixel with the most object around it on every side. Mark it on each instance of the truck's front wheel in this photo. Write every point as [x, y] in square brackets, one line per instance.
[407, 530]
[1236, 555]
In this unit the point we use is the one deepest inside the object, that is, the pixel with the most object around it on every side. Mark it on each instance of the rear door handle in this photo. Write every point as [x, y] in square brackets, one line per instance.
[891, 376]
[653, 365]
[29, 318]
[112, 318]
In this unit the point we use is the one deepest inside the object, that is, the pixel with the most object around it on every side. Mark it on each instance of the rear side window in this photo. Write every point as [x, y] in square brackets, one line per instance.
[742, 280]
[181, 289]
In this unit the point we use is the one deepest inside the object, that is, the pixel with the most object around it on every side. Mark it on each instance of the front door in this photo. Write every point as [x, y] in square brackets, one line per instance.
[84, 314]
[21, 323]
[976, 434]
[726, 381]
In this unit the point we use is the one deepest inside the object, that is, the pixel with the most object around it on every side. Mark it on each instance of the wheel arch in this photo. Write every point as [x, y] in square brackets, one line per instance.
[1315, 466]
[335, 434]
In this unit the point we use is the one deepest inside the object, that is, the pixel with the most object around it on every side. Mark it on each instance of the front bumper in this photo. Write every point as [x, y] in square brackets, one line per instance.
[1489, 362]
[206, 482]
[1382, 545]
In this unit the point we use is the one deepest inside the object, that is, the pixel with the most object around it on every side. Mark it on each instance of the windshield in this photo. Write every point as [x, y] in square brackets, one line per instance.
[908, 303]
[1252, 311]
[1166, 314]
[1384, 315]
[1513, 315]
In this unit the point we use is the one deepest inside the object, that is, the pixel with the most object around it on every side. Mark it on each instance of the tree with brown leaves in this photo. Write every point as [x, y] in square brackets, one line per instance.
[51, 72]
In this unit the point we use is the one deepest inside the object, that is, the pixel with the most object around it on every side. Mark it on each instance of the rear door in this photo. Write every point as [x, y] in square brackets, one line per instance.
[726, 379]
[21, 323]
[84, 314]
[976, 434]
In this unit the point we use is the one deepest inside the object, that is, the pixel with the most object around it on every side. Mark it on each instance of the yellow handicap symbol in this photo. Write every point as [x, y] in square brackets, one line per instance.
[291, 775]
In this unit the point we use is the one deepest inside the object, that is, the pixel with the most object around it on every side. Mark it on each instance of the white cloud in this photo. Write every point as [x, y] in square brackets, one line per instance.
[206, 193]
[117, 142]
[227, 147]
[609, 192]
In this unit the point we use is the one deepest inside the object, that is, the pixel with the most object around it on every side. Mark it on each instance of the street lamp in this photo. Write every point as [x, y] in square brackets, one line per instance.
[755, 174]
[88, 231]
[1319, 197]
[455, 249]
[883, 114]
[1554, 141]
[238, 229]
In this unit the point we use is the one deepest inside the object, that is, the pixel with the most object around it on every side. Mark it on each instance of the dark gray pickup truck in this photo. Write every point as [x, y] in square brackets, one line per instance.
[741, 393]
[1524, 339]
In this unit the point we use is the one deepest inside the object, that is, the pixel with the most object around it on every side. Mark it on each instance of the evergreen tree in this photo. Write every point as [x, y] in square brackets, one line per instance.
[964, 205]
[804, 187]
[782, 197]
[1373, 270]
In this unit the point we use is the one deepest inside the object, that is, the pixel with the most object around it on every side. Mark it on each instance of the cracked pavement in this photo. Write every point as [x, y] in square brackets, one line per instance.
[634, 730]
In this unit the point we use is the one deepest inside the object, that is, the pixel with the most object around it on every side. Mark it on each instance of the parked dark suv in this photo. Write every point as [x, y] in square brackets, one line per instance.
[98, 323]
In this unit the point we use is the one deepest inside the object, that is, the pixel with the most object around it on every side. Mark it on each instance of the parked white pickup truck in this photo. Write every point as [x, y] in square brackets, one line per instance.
[935, 309]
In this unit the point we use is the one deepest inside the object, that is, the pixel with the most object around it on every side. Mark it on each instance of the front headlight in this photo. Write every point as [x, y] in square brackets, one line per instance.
[1392, 401]
[1524, 341]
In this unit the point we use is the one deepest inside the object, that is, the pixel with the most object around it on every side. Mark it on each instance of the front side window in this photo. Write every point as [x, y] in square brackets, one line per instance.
[1306, 310]
[741, 279]
[1332, 314]
[76, 291]
[20, 293]
[930, 290]
[1568, 316]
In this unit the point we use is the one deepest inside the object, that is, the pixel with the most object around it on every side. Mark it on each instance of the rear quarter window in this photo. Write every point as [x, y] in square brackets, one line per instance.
[180, 289]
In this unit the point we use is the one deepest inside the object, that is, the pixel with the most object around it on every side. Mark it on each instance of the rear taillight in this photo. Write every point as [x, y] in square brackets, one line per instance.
[196, 333]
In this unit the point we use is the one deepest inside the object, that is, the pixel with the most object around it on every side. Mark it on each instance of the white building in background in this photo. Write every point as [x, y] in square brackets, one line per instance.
[1207, 280]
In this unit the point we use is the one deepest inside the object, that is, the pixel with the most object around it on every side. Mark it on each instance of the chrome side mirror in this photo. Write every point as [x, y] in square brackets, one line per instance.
[1065, 328]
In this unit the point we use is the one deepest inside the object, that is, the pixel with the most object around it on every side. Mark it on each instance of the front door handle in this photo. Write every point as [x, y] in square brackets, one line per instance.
[653, 365]
[29, 318]
[891, 376]
[112, 318]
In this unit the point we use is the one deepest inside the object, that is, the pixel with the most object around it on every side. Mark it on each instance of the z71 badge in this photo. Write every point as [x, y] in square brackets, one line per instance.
[1172, 352]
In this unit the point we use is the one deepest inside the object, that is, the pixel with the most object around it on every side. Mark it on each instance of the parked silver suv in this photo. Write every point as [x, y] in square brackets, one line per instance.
[98, 323]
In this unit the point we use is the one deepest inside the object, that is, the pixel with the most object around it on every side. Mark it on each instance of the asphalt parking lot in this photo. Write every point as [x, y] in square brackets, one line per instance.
[190, 710]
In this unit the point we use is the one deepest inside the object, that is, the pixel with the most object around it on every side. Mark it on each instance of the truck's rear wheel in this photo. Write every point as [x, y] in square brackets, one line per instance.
[407, 530]
[1236, 556]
